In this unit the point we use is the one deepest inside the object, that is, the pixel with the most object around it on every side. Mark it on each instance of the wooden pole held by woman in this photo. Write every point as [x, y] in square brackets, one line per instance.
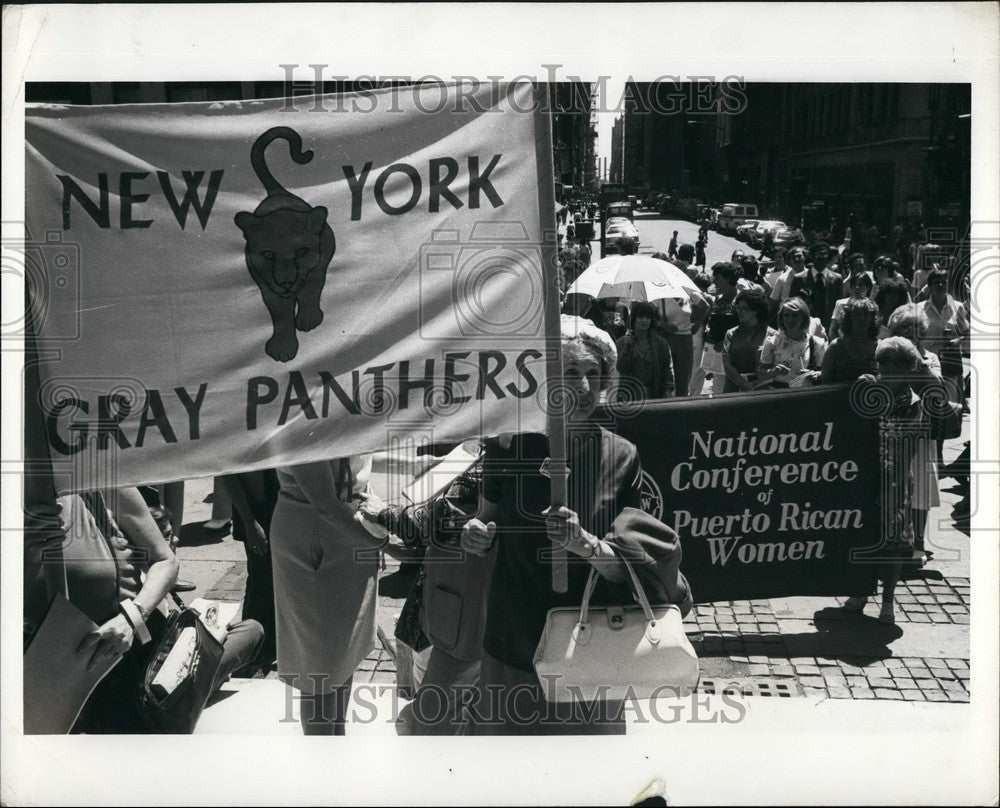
[555, 404]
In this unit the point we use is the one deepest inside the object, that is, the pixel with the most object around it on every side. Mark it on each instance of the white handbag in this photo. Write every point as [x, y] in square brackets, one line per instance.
[615, 652]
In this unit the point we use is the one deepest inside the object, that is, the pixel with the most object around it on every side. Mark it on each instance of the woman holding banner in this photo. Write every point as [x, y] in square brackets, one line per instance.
[604, 481]
[325, 586]
[901, 429]
[910, 322]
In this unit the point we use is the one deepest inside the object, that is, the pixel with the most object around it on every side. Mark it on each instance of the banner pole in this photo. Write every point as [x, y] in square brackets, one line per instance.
[554, 403]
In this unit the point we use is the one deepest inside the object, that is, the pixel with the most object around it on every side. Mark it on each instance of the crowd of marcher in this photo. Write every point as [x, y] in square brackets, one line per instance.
[313, 532]
[812, 316]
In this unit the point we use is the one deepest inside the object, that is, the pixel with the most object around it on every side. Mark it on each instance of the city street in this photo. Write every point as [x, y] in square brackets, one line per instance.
[655, 232]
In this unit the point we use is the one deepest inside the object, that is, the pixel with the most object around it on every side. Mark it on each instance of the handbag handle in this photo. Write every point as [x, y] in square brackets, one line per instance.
[639, 592]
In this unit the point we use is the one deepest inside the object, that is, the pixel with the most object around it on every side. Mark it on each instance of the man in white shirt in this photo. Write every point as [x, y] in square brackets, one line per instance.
[780, 278]
[680, 323]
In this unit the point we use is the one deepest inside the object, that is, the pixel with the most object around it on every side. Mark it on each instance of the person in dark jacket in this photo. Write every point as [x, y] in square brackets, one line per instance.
[644, 358]
[820, 287]
[600, 523]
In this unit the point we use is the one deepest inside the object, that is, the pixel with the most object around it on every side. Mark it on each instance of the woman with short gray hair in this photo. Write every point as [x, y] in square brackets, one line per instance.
[900, 428]
[910, 322]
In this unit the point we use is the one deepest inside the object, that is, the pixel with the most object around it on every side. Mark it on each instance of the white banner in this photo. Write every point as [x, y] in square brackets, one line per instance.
[241, 285]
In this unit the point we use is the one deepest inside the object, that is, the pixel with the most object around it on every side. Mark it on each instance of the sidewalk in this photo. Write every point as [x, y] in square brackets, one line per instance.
[800, 647]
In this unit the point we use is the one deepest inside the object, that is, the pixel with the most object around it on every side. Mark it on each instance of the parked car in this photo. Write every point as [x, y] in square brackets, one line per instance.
[713, 218]
[734, 214]
[756, 236]
[618, 230]
[788, 237]
[743, 230]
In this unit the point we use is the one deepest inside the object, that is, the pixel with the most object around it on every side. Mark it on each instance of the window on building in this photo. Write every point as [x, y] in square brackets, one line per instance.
[180, 91]
[275, 89]
[57, 92]
[126, 92]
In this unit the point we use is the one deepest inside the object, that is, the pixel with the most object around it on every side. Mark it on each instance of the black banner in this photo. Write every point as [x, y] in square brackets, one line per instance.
[769, 491]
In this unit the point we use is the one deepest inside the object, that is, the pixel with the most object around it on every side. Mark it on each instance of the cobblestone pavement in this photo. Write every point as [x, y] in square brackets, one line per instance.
[761, 662]
[742, 649]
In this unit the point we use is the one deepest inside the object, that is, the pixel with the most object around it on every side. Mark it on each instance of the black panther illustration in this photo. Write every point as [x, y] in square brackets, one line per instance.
[289, 247]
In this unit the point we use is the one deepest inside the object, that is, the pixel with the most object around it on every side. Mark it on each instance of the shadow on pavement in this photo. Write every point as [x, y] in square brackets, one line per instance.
[912, 573]
[961, 515]
[843, 637]
[193, 534]
[838, 635]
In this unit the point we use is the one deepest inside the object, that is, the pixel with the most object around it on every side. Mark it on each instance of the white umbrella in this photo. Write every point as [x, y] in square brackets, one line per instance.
[633, 277]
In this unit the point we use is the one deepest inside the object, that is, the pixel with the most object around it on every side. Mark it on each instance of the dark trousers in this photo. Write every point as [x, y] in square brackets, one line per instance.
[258, 602]
[682, 353]
[241, 646]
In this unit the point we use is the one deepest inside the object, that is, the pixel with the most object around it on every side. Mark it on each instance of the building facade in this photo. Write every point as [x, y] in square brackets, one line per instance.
[574, 138]
[616, 169]
[882, 152]
[809, 153]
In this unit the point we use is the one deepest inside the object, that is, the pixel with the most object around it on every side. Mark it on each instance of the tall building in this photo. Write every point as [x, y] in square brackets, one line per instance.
[812, 152]
[829, 151]
[669, 139]
[616, 169]
[574, 135]
[634, 126]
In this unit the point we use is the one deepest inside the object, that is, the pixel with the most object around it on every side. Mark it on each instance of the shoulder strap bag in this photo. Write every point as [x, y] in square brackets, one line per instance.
[180, 674]
[615, 652]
